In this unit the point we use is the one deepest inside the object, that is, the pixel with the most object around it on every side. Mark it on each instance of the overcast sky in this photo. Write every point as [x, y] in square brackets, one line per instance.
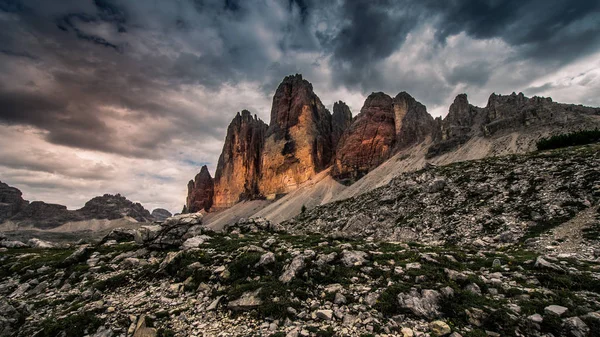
[132, 96]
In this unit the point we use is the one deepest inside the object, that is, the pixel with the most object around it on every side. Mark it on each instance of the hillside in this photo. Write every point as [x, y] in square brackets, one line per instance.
[493, 201]
[281, 162]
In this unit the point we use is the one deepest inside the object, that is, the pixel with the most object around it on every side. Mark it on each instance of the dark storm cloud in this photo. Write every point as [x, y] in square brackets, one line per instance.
[548, 29]
[140, 57]
[476, 73]
[371, 32]
[553, 31]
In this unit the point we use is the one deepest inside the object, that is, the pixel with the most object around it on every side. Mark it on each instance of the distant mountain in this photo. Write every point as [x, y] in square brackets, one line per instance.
[45, 216]
[160, 214]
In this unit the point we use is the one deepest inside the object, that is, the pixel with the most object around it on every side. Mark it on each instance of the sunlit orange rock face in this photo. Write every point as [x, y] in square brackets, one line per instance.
[298, 141]
[200, 192]
[369, 140]
[238, 169]
[383, 127]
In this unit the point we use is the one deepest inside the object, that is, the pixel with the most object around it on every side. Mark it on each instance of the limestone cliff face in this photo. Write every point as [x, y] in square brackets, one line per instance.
[383, 127]
[514, 111]
[298, 140]
[369, 140]
[413, 123]
[340, 121]
[503, 114]
[238, 169]
[11, 201]
[200, 192]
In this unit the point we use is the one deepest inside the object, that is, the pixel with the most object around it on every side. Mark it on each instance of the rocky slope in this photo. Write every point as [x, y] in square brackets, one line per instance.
[201, 192]
[256, 280]
[298, 141]
[41, 215]
[493, 201]
[239, 167]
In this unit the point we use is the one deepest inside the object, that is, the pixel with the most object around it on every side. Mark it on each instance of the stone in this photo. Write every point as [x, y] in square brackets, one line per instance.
[12, 244]
[473, 288]
[439, 328]
[79, 254]
[413, 265]
[326, 315]
[353, 258]
[575, 327]
[371, 299]
[141, 330]
[248, 300]
[541, 263]
[476, 316]
[496, 264]
[266, 259]
[423, 304]
[169, 259]
[214, 304]
[536, 318]
[122, 235]
[295, 266]
[195, 242]
[172, 232]
[436, 186]
[407, 332]
[339, 298]
[37, 243]
[555, 310]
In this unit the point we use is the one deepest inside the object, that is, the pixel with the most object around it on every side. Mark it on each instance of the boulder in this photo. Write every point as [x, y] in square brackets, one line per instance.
[294, 267]
[37, 243]
[575, 327]
[353, 258]
[424, 303]
[248, 300]
[555, 310]
[439, 328]
[195, 241]
[266, 259]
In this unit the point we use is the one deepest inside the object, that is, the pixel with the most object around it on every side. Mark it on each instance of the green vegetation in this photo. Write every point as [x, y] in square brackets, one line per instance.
[569, 139]
[72, 326]
[111, 282]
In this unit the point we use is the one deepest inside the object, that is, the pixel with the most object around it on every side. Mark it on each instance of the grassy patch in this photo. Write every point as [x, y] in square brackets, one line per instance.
[111, 282]
[72, 326]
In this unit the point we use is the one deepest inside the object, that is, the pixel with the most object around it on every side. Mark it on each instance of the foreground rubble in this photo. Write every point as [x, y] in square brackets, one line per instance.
[257, 280]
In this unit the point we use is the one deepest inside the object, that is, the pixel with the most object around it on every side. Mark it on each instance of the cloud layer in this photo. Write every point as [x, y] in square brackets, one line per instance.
[103, 96]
